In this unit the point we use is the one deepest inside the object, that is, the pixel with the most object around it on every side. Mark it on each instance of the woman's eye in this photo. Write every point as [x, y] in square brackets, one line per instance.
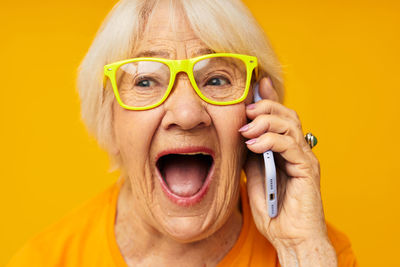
[217, 81]
[145, 83]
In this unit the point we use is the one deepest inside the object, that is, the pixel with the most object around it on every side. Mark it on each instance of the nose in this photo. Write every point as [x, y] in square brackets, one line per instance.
[184, 109]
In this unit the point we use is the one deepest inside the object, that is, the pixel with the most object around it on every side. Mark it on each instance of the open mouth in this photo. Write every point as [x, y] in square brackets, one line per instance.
[185, 175]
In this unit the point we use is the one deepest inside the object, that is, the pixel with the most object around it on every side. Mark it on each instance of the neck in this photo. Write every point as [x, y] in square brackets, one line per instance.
[142, 244]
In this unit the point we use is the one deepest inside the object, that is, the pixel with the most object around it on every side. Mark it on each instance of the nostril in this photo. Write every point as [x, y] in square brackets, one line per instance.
[179, 126]
[185, 114]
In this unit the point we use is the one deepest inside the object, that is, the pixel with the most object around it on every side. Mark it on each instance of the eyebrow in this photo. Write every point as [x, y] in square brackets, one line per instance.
[166, 54]
[202, 51]
[154, 53]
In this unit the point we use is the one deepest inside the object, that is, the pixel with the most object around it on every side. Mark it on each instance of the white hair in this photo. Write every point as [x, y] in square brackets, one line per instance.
[223, 25]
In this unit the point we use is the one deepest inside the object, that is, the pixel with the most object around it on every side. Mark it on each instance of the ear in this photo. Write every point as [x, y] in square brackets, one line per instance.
[113, 149]
[267, 90]
[113, 154]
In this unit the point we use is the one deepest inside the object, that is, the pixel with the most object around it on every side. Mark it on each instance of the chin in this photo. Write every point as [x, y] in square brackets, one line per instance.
[187, 229]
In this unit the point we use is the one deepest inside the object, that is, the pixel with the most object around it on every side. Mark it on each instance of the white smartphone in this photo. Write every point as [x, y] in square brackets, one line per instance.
[270, 174]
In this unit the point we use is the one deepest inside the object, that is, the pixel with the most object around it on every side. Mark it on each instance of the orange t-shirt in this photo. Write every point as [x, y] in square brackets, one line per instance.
[86, 238]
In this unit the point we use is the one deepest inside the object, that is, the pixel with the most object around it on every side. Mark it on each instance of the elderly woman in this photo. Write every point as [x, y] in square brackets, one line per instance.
[167, 89]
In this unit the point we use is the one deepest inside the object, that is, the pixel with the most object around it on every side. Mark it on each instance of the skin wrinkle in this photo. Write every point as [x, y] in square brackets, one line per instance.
[190, 45]
[233, 186]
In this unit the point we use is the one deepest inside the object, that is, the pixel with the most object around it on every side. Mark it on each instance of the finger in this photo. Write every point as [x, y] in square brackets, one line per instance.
[267, 90]
[267, 106]
[272, 123]
[283, 165]
[288, 149]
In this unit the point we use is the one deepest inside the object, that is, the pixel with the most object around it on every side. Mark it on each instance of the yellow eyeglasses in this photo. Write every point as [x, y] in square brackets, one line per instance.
[145, 83]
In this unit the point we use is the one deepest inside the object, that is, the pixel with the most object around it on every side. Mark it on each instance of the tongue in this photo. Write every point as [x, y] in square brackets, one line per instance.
[185, 174]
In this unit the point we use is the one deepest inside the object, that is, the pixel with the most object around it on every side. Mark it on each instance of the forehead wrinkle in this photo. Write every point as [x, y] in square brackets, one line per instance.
[156, 48]
[164, 53]
[161, 41]
[159, 48]
[195, 47]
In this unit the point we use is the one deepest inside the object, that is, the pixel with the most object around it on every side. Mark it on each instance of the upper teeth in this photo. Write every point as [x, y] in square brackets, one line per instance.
[194, 153]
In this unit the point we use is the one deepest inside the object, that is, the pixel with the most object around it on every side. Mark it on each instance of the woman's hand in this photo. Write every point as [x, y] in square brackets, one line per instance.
[299, 232]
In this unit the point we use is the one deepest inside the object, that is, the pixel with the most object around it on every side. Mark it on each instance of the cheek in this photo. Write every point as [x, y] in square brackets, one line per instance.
[227, 122]
[230, 118]
[133, 131]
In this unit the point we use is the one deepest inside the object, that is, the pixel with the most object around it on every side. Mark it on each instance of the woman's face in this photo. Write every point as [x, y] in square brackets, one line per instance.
[191, 194]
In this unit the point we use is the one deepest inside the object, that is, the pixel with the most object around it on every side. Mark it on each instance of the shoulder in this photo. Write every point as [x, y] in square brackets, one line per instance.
[342, 245]
[71, 236]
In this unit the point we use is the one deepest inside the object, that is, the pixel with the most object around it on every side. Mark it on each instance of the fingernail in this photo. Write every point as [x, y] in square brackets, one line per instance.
[245, 128]
[251, 141]
[251, 106]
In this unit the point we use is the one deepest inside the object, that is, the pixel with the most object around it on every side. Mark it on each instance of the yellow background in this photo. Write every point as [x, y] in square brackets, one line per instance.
[341, 63]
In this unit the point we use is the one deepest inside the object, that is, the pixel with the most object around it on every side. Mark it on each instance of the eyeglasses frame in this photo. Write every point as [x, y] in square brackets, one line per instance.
[181, 65]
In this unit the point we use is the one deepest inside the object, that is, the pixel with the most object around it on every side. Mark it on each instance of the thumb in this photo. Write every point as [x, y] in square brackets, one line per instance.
[267, 90]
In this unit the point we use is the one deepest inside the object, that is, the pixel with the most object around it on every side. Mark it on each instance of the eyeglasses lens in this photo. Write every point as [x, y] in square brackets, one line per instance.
[221, 79]
[142, 83]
